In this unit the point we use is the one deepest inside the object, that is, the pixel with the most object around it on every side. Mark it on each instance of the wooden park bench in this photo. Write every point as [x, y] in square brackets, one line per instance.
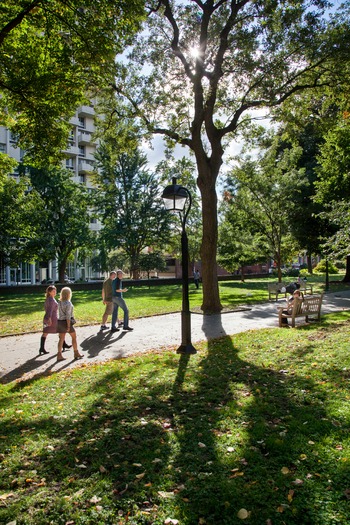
[274, 290]
[310, 306]
[305, 286]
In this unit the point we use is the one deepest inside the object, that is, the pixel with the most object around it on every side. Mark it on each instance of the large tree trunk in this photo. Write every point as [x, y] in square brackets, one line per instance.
[62, 265]
[211, 298]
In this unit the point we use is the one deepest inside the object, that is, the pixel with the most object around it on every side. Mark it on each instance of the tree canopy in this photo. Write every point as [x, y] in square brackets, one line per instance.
[64, 226]
[132, 213]
[262, 190]
[199, 68]
[21, 212]
[54, 54]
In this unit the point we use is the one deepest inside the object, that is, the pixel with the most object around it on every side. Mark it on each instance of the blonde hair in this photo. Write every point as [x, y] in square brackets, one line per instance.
[49, 290]
[65, 294]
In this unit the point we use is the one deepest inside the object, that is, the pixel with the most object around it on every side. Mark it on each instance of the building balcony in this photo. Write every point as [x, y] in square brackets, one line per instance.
[74, 121]
[85, 166]
[86, 111]
[84, 138]
[71, 150]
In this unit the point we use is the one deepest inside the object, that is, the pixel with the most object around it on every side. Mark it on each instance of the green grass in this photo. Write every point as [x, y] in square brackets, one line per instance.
[257, 421]
[24, 313]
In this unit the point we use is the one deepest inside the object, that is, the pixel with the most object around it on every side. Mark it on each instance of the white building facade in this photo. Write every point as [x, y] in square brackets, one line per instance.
[79, 160]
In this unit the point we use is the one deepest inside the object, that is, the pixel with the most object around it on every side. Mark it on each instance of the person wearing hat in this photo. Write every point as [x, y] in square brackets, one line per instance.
[118, 300]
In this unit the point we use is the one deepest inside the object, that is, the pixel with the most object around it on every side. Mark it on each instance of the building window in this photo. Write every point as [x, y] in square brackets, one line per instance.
[13, 138]
[93, 220]
[70, 163]
[2, 148]
[81, 122]
[81, 151]
[82, 178]
[71, 137]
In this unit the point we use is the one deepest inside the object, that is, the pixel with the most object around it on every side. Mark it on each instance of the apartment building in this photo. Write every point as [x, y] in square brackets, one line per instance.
[80, 161]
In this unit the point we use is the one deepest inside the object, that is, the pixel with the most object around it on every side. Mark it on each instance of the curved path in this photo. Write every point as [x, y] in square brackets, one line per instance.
[19, 354]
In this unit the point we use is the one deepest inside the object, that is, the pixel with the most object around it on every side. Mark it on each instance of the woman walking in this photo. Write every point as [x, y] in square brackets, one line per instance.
[50, 319]
[66, 322]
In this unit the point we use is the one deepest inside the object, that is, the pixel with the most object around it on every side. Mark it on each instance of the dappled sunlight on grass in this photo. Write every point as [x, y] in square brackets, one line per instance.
[255, 425]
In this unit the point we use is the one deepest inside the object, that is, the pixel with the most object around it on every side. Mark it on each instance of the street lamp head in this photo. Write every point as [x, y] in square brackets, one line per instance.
[175, 197]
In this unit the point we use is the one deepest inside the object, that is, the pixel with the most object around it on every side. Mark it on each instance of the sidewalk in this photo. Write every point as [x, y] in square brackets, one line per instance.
[19, 354]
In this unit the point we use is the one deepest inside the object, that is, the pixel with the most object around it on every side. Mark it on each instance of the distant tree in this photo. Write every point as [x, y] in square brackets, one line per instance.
[239, 242]
[183, 170]
[128, 197]
[305, 122]
[21, 212]
[262, 190]
[65, 226]
[333, 189]
[153, 261]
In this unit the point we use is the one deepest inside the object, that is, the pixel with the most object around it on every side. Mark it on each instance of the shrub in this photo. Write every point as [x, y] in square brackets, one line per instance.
[321, 267]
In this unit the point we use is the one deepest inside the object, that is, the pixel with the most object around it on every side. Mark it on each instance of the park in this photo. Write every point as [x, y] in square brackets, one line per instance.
[253, 427]
[207, 141]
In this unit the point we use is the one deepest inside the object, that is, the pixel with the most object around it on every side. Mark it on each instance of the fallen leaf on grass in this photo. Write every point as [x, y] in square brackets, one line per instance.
[95, 499]
[297, 482]
[236, 475]
[201, 445]
[172, 521]
[5, 496]
[243, 514]
[165, 495]
[285, 470]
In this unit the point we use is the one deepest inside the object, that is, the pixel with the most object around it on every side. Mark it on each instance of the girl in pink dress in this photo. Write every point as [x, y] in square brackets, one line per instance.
[50, 319]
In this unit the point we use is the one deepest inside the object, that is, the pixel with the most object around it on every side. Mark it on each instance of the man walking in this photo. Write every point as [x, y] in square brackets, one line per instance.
[118, 290]
[107, 298]
[196, 277]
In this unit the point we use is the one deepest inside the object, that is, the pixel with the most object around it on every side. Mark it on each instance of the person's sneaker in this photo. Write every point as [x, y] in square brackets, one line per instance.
[128, 329]
[115, 330]
[120, 323]
[104, 327]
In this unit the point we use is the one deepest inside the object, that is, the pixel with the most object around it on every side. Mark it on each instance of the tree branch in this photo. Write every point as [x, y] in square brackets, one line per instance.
[6, 30]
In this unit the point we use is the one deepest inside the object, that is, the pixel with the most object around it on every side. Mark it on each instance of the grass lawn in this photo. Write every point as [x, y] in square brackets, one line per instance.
[252, 429]
[24, 313]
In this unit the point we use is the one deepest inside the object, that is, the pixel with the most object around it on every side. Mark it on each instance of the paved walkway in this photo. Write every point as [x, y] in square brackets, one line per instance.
[19, 354]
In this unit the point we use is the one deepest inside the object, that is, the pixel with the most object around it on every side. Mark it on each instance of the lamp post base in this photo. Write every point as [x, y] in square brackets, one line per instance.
[186, 349]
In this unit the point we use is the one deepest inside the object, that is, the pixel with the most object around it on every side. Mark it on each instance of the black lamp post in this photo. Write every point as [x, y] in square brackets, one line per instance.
[177, 199]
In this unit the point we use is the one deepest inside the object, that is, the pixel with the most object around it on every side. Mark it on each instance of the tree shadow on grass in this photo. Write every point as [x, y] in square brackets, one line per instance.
[256, 469]
[196, 439]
